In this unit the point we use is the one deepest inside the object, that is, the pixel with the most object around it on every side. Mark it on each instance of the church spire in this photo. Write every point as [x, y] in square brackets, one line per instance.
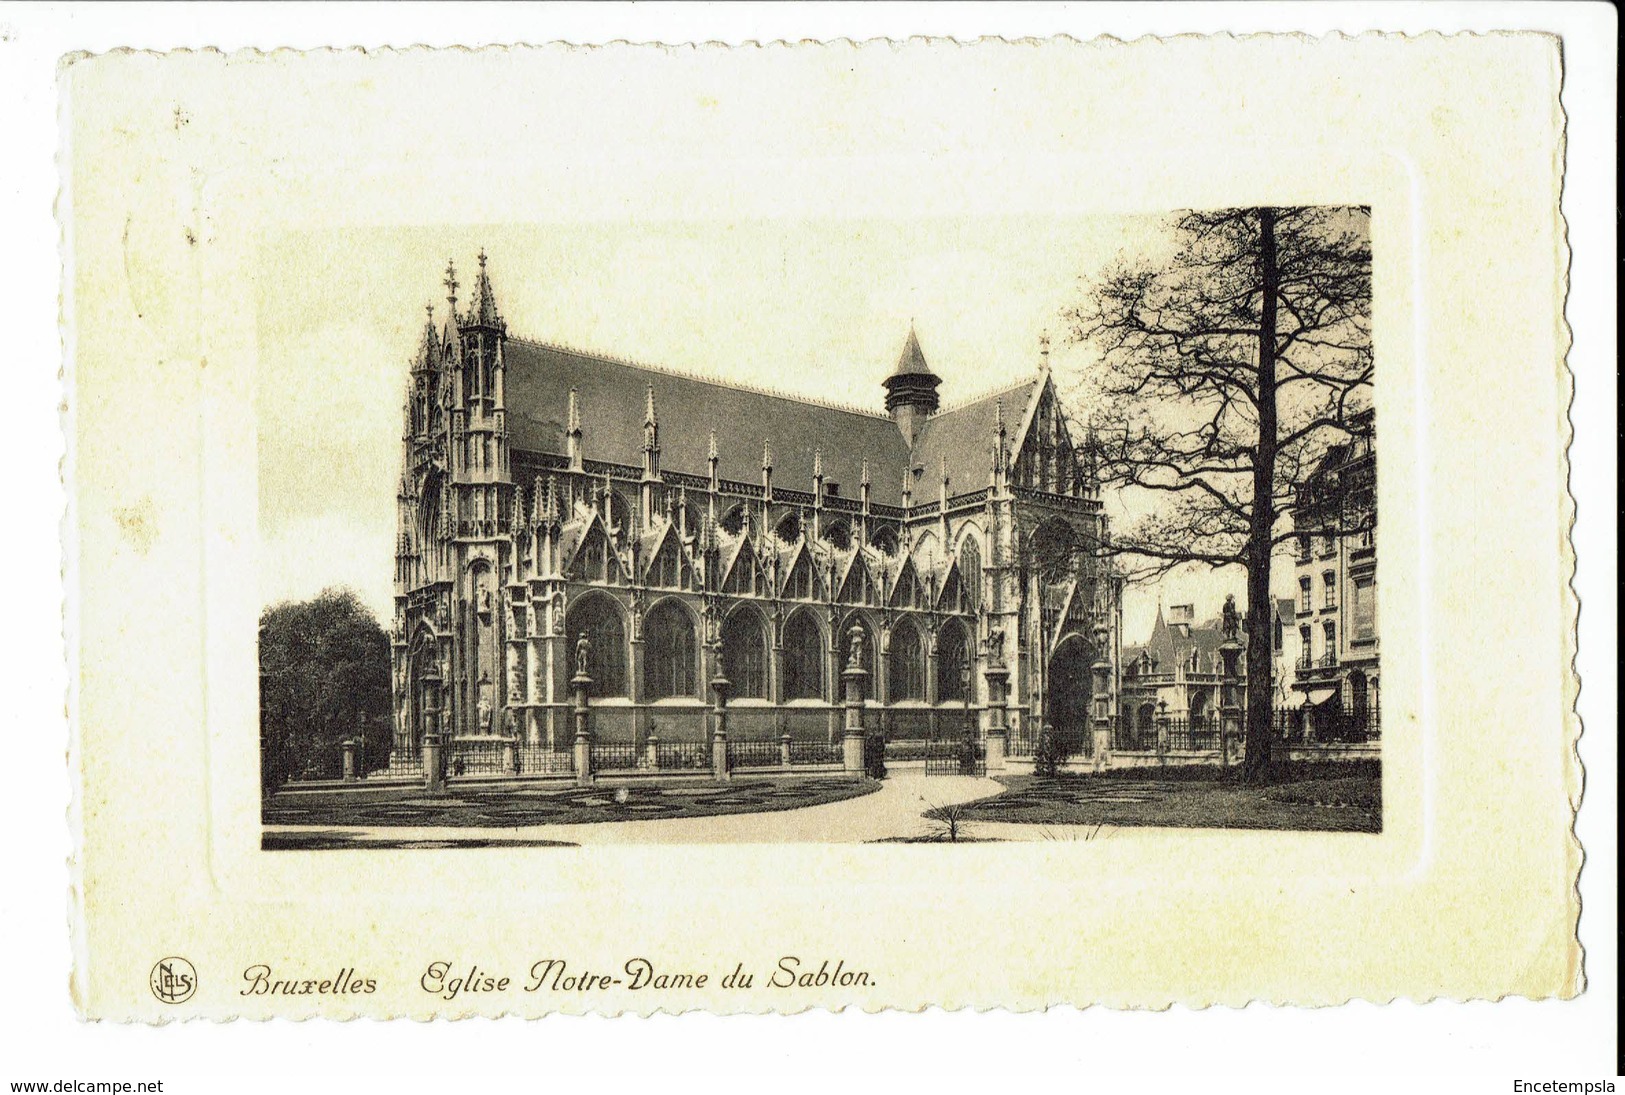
[911, 389]
[482, 309]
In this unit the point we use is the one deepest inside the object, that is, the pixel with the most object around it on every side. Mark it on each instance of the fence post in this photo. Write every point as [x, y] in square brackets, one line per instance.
[651, 751]
[349, 760]
[1163, 729]
[1102, 669]
[853, 677]
[579, 684]
[784, 749]
[719, 735]
[998, 732]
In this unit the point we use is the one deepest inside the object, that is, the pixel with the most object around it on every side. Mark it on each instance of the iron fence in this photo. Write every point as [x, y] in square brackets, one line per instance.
[478, 758]
[960, 757]
[539, 760]
[615, 756]
[753, 754]
[682, 755]
[816, 752]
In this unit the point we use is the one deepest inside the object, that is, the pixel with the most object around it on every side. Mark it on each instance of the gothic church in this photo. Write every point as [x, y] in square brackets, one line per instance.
[693, 528]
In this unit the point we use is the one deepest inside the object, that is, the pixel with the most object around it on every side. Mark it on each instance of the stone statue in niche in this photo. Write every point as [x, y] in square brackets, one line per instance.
[516, 682]
[995, 646]
[855, 652]
[558, 612]
[483, 711]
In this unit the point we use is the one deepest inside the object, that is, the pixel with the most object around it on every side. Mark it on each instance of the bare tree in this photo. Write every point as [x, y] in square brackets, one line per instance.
[1225, 375]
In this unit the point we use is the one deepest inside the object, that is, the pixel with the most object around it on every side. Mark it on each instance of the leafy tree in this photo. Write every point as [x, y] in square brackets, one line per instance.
[324, 677]
[1225, 374]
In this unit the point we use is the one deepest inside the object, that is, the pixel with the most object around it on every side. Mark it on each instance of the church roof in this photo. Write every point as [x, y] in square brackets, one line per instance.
[612, 396]
[963, 436]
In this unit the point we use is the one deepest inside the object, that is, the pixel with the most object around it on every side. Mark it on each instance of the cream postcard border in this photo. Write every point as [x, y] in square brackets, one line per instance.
[172, 184]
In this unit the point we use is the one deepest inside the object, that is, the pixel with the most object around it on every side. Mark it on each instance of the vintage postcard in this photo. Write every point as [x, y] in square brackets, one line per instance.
[874, 525]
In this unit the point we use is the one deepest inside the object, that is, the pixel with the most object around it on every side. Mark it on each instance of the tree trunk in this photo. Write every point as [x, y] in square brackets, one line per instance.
[1256, 767]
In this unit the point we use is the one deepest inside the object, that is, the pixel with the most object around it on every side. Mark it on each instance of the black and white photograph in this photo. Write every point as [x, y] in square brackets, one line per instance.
[1103, 556]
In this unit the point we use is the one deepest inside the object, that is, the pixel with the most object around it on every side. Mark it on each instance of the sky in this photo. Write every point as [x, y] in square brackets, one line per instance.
[813, 307]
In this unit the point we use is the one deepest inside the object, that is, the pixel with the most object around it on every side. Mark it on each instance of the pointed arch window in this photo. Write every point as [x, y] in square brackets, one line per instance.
[742, 578]
[970, 574]
[953, 662]
[803, 659]
[600, 619]
[906, 670]
[838, 535]
[744, 655]
[669, 653]
[800, 586]
[667, 568]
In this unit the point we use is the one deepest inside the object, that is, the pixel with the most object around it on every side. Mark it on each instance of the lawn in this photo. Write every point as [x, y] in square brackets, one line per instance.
[511, 806]
[1345, 800]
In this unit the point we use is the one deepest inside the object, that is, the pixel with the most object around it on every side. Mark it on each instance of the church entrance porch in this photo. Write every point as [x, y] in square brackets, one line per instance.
[1069, 696]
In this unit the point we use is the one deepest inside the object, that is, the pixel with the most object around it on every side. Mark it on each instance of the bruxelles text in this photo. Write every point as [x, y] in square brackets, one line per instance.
[451, 980]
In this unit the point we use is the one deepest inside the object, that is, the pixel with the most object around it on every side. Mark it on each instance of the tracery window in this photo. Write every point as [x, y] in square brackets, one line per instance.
[666, 569]
[970, 574]
[744, 655]
[906, 673]
[803, 659]
[669, 653]
[600, 618]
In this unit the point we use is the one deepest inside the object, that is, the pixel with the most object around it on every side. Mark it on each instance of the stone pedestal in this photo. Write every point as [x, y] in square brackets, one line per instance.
[784, 750]
[1102, 670]
[651, 751]
[719, 732]
[998, 678]
[349, 760]
[997, 740]
[434, 774]
[854, 682]
[582, 748]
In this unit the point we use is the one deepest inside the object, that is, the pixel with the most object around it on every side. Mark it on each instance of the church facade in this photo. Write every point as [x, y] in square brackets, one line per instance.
[693, 529]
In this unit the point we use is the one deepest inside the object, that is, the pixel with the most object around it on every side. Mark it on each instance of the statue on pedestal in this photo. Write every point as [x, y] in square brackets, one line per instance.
[855, 641]
[1232, 622]
[995, 646]
[583, 653]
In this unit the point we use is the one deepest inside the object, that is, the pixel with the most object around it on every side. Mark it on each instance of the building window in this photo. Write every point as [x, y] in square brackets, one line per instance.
[599, 618]
[1305, 657]
[970, 574]
[1328, 583]
[906, 672]
[1365, 608]
[953, 659]
[803, 659]
[744, 655]
[1303, 547]
[668, 667]
[799, 586]
[1304, 604]
[666, 570]
[1330, 657]
[838, 535]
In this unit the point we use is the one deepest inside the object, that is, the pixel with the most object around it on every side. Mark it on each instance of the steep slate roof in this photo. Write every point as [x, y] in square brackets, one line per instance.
[964, 436]
[611, 393]
[1171, 647]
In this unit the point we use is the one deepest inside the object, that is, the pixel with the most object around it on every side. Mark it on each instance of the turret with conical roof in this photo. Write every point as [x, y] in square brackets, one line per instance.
[911, 389]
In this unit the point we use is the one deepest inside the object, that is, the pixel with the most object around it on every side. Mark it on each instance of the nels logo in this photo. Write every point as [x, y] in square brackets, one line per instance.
[173, 980]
